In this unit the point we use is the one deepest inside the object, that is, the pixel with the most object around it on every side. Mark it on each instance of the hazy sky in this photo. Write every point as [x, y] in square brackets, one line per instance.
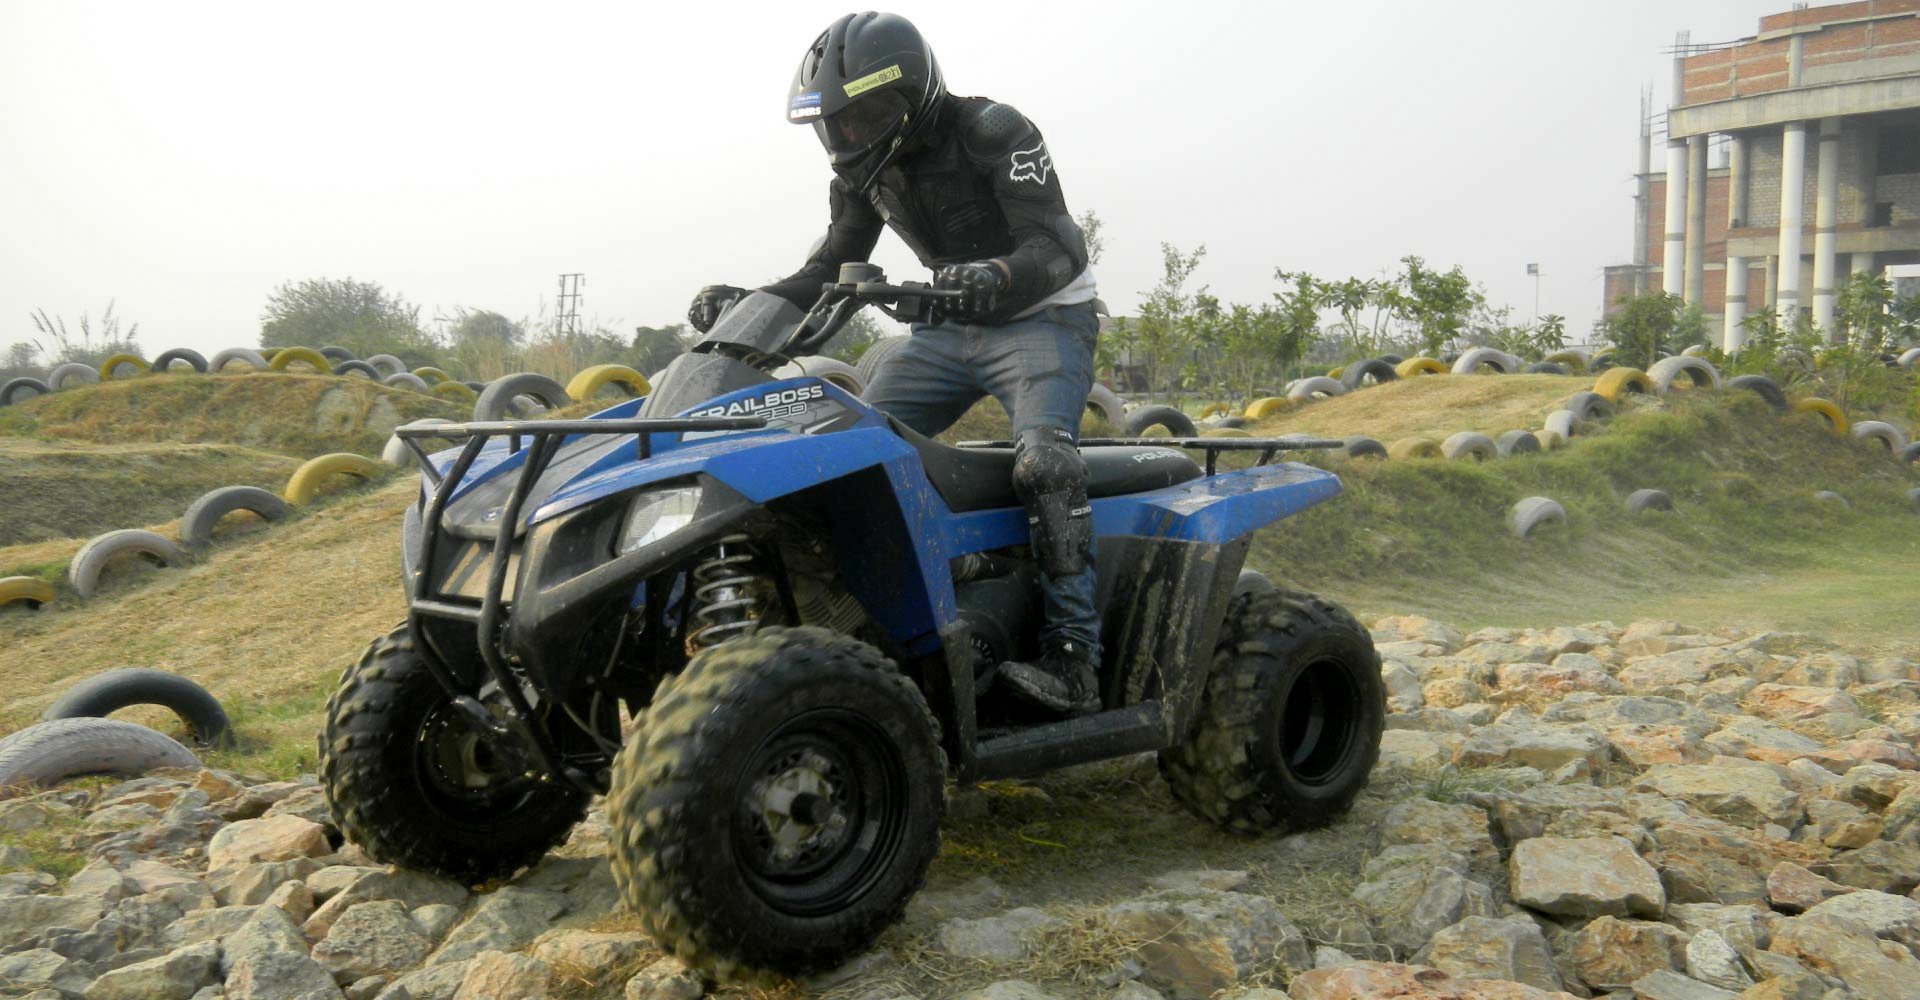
[182, 159]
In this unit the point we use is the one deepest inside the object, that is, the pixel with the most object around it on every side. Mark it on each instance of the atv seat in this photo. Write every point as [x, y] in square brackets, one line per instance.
[982, 478]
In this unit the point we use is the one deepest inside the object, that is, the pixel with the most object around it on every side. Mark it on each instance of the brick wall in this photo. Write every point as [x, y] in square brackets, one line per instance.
[1760, 66]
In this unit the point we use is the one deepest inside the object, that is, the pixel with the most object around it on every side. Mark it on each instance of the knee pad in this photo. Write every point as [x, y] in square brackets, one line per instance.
[1050, 478]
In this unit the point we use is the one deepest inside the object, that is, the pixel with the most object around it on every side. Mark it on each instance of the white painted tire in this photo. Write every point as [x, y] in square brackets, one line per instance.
[1883, 432]
[387, 364]
[1498, 361]
[72, 371]
[406, 380]
[838, 373]
[250, 357]
[1588, 406]
[1518, 443]
[1533, 512]
[1469, 445]
[83, 572]
[1696, 351]
[1829, 496]
[1641, 501]
[1319, 385]
[1361, 446]
[1910, 358]
[1702, 374]
[196, 525]
[397, 454]
[1107, 404]
[47, 753]
[496, 400]
[1565, 423]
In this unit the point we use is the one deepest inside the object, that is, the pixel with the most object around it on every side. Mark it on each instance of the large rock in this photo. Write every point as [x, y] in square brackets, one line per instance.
[1412, 628]
[40, 969]
[1524, 814]
[1610, 953]
[1705, 860]
[267, 931]
[1793, 889]
[495, 974]
[414, 889]
[1376, 980]
[283, 975]
[1843, 825]
[1849, 951]
[1494, 654]
[1202, 944]
[1005, 937]
[588, 949]
[372, 939]
[1459, 828]
[28, 919]
[1486, 948]
[1544, 747]
[1874, 786]
[435, 982]
[1746, 795]
[1758, 739]
[1417, 750]
[276, 838]
[1883, 865]
[1584, 877]
[1666, 985]
[507, 920]
[1788, 703]
[174, 976]
[1411, 893]
[1713, 960]
[669, 979]
[1681, 668]
[1895, 918]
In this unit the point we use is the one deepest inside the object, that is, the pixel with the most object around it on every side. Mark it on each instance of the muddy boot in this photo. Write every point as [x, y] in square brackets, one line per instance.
[1063, 679]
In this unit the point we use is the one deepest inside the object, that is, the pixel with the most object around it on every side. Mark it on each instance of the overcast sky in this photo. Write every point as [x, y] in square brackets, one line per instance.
[182, 159]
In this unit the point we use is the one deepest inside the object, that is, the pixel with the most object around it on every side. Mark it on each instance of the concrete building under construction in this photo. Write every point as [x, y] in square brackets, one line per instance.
[1814, 123]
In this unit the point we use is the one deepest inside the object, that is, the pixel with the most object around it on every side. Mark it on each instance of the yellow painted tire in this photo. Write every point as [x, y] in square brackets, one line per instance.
[1337, 372]
[431, 375]
[115, 361]
[1225, 432]
[1420, 366]
[1576, 361]
[1213, 408]
[1617, 382]
[1415, 447]
[307, 479]
[1550, 439]
[589, 381]
[1836, 420]
[1261, 408]
[288, 355]
[456, 391]
[29, 590]
[1155, 431]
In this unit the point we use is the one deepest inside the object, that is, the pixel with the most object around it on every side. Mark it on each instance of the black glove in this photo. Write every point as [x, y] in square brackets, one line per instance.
[982, 283]
[708, 303]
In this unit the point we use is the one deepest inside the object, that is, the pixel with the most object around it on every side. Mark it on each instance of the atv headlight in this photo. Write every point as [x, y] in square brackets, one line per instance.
[656, 515]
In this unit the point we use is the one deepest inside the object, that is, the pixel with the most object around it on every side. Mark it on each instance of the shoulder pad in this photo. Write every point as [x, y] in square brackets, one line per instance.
[990, 128]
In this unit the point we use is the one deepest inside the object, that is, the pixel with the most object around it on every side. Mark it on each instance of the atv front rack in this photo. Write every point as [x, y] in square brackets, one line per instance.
[1267, 447]
[541, 440]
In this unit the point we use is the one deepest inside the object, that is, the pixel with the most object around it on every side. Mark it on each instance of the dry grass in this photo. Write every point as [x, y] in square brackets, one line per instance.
[303, 415]
[53, 490]
[1432, 405]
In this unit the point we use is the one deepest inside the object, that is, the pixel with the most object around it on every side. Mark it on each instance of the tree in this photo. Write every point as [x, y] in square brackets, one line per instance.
[1164, 328]
[485, 325]
[1089, 222]
[1644, 327]
[357, 315]
[655, 347]
[1437, 304]
[20, 358]
[1293, 323]
[854, 338]
[1868, 323]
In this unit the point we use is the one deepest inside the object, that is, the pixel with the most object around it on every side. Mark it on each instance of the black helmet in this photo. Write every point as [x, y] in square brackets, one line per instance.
[867, 85]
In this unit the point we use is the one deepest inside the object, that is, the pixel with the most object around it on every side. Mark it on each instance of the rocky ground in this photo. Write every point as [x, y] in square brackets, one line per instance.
[1648, 811]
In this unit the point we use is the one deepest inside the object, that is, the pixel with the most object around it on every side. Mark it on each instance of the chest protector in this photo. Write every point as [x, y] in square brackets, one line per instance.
[942, 205]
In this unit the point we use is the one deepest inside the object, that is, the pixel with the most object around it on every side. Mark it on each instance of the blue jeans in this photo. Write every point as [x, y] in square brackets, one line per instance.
[1040, 369]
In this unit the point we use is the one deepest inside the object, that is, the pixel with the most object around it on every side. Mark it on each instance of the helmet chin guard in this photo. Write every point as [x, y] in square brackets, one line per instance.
[867, 85]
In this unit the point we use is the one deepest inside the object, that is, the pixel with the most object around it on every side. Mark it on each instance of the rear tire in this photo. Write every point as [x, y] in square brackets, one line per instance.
[1290, 721]
[410, 784]
[711, 848]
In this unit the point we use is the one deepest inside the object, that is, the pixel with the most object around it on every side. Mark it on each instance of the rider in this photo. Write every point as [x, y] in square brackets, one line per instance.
[967, 184]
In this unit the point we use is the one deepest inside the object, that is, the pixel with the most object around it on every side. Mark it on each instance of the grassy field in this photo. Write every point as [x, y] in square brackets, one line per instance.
[57, 489]
[268, 623]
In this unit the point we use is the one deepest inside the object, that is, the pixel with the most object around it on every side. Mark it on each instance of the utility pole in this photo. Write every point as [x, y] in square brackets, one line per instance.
[567, 320]
[1533, 271]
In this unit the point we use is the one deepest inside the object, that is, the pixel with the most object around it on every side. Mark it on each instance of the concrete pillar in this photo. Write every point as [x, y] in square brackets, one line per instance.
[1863, 263]
[1673, 259]
[1696, 276]
[1736, 309]
[1825, 216]
[1770, 282]
[1793, 171]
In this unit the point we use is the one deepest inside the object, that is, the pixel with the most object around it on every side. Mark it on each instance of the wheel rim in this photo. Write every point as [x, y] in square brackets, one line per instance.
[821, 812]
[460, 777]
[1318, 721]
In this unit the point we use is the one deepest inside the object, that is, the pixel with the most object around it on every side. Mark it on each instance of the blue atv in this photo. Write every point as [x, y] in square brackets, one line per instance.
[762, 619]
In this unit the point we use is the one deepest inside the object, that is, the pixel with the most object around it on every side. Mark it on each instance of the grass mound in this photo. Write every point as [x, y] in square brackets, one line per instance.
[55, 490]
[1747, 539]
[302, 415]
[1432, 404]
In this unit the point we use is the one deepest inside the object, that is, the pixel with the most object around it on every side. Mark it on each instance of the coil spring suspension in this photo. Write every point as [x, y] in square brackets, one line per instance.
[727, 593]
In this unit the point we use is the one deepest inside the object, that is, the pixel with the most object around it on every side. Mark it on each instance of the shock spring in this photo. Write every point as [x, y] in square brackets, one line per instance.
[727, 594]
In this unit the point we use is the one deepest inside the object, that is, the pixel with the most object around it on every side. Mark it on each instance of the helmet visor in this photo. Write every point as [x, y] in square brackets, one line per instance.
[864, 124]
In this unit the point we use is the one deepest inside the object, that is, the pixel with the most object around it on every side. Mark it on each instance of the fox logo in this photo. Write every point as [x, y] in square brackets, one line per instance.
[1031, 165]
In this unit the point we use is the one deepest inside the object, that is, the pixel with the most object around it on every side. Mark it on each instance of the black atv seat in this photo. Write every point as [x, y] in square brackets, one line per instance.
[982, 478]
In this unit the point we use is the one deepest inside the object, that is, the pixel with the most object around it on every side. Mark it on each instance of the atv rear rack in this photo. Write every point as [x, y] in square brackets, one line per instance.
[545, 437]
[1267, 447]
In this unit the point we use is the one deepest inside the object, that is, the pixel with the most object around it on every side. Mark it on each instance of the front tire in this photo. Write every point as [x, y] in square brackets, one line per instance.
[410, 783]
[784, 803]
[1290, 721]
